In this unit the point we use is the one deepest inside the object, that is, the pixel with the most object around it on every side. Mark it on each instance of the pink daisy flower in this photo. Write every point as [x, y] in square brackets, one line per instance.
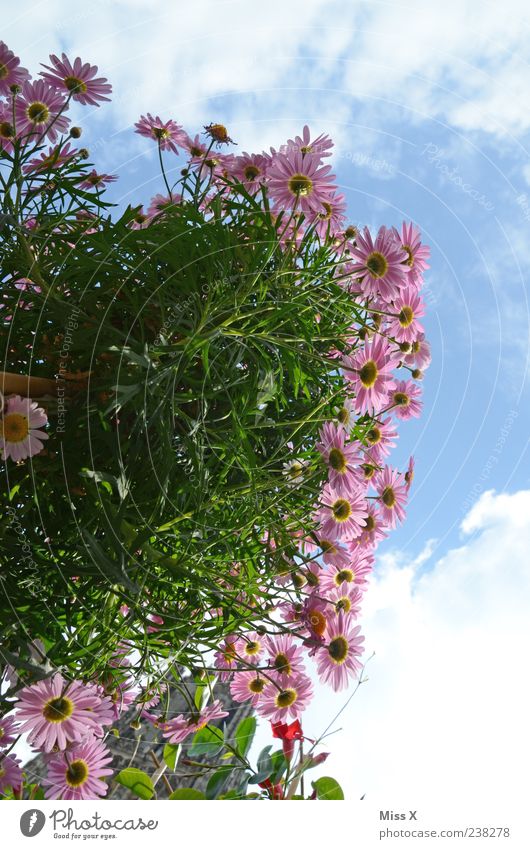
[93, 180]
[356, 573]
[168, 134]
[226, 657]
[417, 254]
[373, 531]
[285, 657]
[405, 327]
[55, 713]
[160, 203]
[176, 730]
[196, 149]
[297, 180]
[37, 111]
[369, 371]
[249, 169]
[420, 353]
[8, 731]
[379, 265]
[341, 515]
[7, 130]
[339, 456]
[345, 599]
[10, 773]
[346, 414]
[330, 218]
[248, 686]
[250, 647]
[55, 157]
[10, 72]
[76, 774]
[20, 436]
[78, 80]
[392, 494]
[380, 439]
[338, 659]
[289, 698]
[333, 553]
[321, 146]
[405, 399]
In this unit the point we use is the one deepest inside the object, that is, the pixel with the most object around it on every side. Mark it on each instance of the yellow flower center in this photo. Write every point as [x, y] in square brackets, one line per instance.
[77, 773]
[37, 112]
[368, 374]
[7, 131]
[374, 436]
[74, 84]
[286, 698]
[343, 416]
[58, 709]
[345, 576]
[338, 650]
[281, 664]
[406, 317]
[160, 132]
[410, 255]
[341, 510]
[252, 647]
[337, 460]
[327, 546]
[369, 523]
[300, 185]
[343, 604]
[388, 496]
[256, 685]
[251, 172]
[377, 264]
[14, 427]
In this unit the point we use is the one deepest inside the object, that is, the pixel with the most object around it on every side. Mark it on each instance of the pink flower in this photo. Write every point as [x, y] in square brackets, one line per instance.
[10, 773]
[420, 354]
[248, 686]
[333, 553]
[408, 305]
[78, 80]
[409, 474]
[250, 647]
[330, 218]
[176, 730]
[160, 203]
[380, 265]
[341, 515]
[37, 111]
[373, 531]
[55, 157]
[338, 659]
[7, 130]
[93, 180]
[20, 436]
[285, 658]
[339, 456]
[392, 494]
[8, 731]
[10, 72]
[405, 399]
[346, 598]
[168, 134]
[249, 169]
[76, 773]
[288, 698]
[355, 573]
[321, 146]
[226, 657]
[369, 371]
[417, 254]
[55, 713]
[380, 440]
[297, 180]
[346, 414]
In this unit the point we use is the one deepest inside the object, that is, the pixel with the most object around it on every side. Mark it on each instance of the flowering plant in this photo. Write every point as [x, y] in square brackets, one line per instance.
[197, 417]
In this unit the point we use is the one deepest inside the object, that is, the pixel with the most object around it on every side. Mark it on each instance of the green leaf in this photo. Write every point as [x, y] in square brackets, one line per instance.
[187, 793]
[328, 788]
[264, 768]
[245, 734]
[208, 742]
[137, 782]
[217, 781]
[170, 755]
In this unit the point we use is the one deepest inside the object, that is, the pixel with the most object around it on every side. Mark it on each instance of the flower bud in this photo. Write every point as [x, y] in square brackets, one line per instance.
[75, 132]
[417, 374]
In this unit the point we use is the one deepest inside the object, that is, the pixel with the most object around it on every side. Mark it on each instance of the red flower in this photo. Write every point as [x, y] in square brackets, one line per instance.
[288, 733]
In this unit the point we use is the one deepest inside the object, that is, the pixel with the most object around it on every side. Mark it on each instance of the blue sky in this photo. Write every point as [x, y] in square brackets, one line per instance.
[429, 105]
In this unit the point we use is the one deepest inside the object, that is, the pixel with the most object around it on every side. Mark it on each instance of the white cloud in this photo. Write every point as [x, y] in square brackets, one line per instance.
[461, 62]
[445, 709]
